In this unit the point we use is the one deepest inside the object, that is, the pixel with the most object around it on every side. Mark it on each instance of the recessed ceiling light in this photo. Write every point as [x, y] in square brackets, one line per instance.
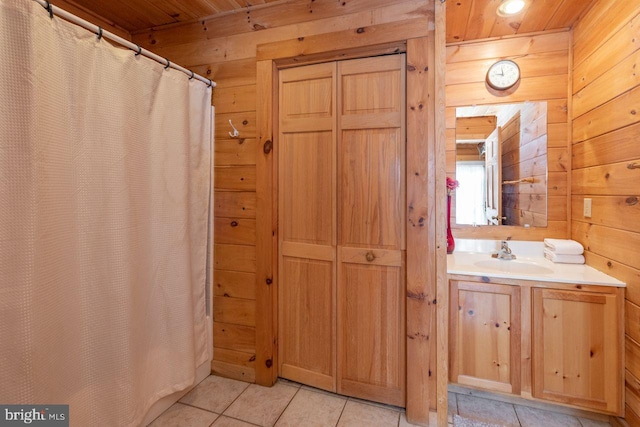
[510, 7]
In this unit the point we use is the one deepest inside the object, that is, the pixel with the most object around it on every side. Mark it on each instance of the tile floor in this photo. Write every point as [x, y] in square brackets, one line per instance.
[222, 402]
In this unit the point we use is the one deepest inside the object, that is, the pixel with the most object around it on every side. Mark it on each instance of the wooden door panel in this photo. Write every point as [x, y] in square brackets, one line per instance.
[356, 144]
[307, 92]
[371, 147]
[309, 251]
[485, 336]
[371, 121]
[371, 188]
[575, 348]
[372, 85]
[371, 256]
[371, 230]
[371, 325]
[307, 310]
[306, 192]
[307, 214]
[299, 126]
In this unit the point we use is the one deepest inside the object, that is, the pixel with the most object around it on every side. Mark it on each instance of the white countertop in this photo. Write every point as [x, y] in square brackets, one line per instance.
[473, 257]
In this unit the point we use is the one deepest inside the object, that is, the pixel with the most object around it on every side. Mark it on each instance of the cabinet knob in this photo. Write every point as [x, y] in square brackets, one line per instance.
[370, 256]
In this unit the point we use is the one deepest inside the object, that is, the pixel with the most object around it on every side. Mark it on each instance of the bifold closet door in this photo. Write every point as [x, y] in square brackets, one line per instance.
[307, 217]
[342, 227]
[371, 228]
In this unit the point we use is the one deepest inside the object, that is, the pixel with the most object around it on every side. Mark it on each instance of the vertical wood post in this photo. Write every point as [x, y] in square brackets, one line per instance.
[266, 229]
[421, 231]
[427, 290]
[442, 283]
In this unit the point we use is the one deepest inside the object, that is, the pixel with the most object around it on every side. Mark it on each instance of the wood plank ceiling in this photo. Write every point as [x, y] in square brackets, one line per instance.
[466, 19]
[477, 19]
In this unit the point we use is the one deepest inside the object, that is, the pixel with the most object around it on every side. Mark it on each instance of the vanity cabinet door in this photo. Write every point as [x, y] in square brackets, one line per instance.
[485, 336]
[576, 348]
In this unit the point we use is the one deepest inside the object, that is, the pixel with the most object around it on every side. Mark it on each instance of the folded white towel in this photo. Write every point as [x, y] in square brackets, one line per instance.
[564, 247]
[563, 258]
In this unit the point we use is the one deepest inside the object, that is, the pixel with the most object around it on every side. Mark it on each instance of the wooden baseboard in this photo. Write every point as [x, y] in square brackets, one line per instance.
[235, 372]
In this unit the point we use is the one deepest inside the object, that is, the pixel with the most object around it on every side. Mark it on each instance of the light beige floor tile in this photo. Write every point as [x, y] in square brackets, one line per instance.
[593, 423]
[230, 422]
[459, 421]
[318, 390]
[288, 382]
[215, 393]
[179, 415]
[487, 411]
[262, 405]
[533, 417]
[378, 404]
[312, 409]
[358, 414]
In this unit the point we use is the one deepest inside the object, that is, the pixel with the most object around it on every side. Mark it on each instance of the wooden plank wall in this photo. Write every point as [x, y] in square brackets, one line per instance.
[509, 140]
[525, 156]
[544, 63]
[225, 50]
[92, 17]
[606, 160]
[475, 127]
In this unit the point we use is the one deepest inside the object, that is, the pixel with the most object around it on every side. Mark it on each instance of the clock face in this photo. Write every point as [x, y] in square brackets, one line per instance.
[503, 75]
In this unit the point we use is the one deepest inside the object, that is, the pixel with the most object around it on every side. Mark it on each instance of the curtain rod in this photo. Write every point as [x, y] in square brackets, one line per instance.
[55, 10]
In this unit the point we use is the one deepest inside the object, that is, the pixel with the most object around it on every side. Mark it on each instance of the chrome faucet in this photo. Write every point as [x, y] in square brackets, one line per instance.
[504, 252]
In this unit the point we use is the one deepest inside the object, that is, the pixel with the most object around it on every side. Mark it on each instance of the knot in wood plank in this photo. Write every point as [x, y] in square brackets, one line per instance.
[416, 296]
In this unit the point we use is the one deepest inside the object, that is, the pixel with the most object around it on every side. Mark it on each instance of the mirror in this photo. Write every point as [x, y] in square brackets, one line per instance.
[501, 164]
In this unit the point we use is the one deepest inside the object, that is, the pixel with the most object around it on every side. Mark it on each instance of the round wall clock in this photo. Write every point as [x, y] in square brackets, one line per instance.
[503, 74]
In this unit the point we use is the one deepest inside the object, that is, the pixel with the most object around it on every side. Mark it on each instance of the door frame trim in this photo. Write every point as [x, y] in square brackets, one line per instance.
[427, 293]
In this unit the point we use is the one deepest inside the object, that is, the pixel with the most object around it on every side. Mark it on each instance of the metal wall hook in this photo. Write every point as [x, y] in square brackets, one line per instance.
[235, 133]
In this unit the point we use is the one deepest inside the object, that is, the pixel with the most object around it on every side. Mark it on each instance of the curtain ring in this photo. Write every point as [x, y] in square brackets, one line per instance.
[99, 33]
[210, 83]
[49, 8]
[139, 51]
[168, 64]
[192, 75]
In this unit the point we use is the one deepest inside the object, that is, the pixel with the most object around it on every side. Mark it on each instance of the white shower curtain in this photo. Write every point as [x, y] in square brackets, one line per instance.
[104, 195]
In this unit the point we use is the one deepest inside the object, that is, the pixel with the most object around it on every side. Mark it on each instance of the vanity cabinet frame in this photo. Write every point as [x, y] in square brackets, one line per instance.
[537, 382]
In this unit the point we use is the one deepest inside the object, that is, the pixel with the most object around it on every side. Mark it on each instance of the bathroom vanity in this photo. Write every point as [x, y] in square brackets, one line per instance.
[535, 329]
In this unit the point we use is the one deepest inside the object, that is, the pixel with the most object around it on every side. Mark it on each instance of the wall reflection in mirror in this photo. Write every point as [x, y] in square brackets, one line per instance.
[501, 164]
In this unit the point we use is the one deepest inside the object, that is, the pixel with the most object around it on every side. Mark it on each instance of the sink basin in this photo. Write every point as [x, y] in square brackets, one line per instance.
[513, 266]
